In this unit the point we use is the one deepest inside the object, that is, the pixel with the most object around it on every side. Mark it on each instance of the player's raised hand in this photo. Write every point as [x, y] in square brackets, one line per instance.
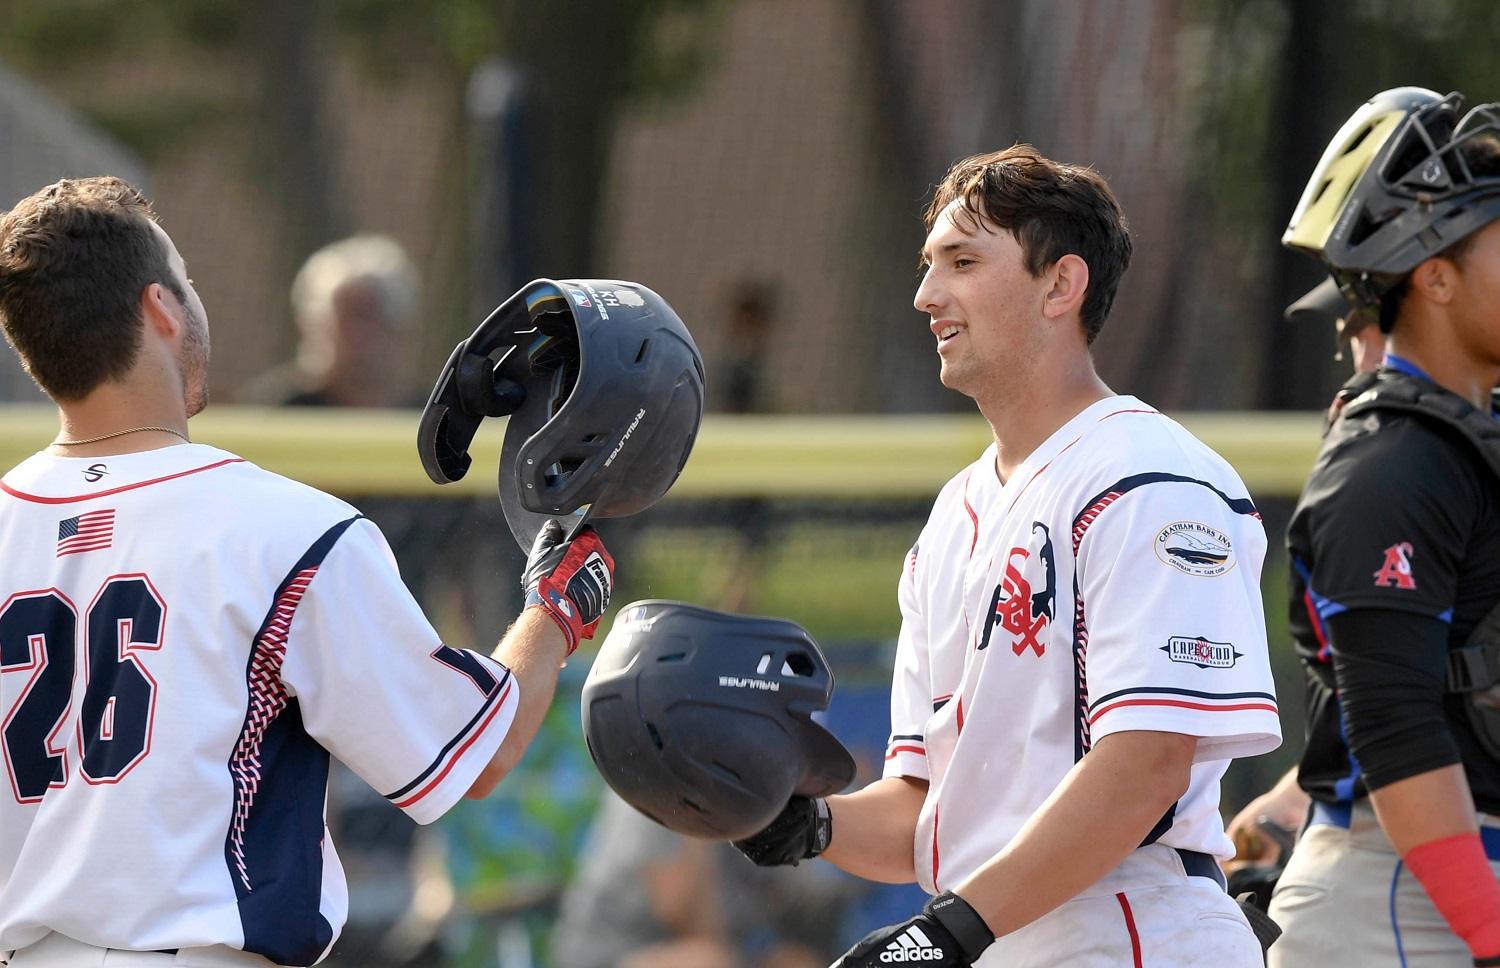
[947, 934]
[802, 830]
[571, 580]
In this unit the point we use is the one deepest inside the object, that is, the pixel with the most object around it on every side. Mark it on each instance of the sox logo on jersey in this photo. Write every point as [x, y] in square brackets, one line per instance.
[1020, 612]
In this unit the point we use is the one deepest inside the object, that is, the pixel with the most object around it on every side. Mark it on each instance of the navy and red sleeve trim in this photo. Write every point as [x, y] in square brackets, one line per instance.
[906, 743]
[1181, 699]
[436, 771]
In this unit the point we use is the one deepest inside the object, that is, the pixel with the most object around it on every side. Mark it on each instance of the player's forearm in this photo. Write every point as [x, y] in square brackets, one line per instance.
[874, 830]
[1101, 812]
[1430, 820]
[1426, 807]
[533, 650]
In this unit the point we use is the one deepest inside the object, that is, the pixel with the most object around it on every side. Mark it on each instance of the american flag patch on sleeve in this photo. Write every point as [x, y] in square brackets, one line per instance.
[90, 531]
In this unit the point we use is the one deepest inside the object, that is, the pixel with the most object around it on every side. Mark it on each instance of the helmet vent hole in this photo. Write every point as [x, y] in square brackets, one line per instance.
[688, 803]
[640, 356]
[655, 736]
[728, 771]
[764, 665]
[594, 439]
[559, 472]
[673, 657]
[1359, 138]
[1364, 227]
[798, 664]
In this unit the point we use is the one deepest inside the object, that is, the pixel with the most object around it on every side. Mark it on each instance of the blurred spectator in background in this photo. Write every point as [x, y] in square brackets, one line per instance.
[646, 897]
[747, 337]
[354, 302]
[743, 389]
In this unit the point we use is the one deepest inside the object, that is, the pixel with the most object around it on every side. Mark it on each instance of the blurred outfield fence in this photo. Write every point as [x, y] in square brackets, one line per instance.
[805, 517]
[858, 458]
[808, 518]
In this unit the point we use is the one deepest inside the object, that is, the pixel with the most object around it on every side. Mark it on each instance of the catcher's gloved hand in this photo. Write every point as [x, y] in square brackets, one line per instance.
[947, 934]
[801, 830]
[570, 579]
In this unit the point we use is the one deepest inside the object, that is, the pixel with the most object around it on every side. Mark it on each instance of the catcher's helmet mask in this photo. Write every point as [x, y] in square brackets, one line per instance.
[603, 387]
[703, 720]
[1394, 189]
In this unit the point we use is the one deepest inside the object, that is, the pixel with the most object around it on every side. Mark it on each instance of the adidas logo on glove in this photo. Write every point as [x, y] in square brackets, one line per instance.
[911, 945]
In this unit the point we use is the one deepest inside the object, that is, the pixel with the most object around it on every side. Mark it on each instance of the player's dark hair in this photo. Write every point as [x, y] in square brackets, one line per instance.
[74, 260]
[1481, 154]
[1052, 209]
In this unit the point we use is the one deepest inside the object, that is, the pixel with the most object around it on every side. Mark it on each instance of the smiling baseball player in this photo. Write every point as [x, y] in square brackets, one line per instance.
[186, 639]
[1082, 649]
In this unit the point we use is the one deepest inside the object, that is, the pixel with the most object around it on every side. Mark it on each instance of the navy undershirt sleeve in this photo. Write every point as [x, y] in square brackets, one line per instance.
[1391, 667]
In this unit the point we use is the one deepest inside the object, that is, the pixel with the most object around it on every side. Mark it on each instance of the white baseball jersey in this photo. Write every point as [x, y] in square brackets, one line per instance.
[184, 640]
[1112, 583]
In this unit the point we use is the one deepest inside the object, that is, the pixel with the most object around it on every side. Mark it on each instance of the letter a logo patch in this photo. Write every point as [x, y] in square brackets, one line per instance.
[1397, 568]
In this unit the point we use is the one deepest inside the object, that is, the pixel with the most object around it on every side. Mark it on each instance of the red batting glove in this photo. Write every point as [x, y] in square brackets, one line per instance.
[570, 580]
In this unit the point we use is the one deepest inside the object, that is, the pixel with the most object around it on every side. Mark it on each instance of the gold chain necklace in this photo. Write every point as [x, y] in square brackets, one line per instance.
[117, 433]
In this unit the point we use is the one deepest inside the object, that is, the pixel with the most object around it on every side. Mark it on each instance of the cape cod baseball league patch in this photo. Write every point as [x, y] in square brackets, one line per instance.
[1198, 651]
[1195, 549]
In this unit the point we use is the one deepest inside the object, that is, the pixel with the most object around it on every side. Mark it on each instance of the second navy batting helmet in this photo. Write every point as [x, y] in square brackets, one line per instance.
[702, 720]
[603, 386]
[1406, 177]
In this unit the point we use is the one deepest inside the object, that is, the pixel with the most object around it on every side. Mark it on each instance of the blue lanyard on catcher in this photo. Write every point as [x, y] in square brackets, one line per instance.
[1411, 369]
[1404, 366]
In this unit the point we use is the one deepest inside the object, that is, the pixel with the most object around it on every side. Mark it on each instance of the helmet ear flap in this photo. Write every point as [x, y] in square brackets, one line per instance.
[483, 392]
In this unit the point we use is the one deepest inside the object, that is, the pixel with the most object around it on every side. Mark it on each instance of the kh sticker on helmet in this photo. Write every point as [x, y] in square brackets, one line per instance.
[1195, 549]
[622, 297]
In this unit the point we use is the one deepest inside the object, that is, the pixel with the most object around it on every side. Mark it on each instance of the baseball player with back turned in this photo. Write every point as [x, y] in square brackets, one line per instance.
[1082, 648]
[186, 639]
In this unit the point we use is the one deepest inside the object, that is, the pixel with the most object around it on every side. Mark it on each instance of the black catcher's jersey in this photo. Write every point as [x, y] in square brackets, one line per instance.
[1400, 515]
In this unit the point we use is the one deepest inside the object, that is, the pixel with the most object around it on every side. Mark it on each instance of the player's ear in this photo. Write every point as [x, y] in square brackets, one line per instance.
[1069, 278]
[160, 310]
[1435, 279]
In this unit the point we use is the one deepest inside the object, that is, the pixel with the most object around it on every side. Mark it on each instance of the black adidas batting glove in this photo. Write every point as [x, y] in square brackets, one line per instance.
[802, 830]
[570, 580]
[947, 934]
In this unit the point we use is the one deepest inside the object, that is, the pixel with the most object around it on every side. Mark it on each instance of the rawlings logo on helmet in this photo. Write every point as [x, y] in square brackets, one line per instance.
[628, 431]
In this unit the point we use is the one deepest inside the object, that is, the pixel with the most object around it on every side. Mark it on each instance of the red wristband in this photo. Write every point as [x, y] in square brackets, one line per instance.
[1458, 878]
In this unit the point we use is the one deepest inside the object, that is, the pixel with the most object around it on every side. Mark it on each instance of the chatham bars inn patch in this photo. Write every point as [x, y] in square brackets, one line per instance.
[1195, 549]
